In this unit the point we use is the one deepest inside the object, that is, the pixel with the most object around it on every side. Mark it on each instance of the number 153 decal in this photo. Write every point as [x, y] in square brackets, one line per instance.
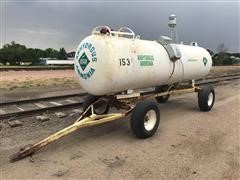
[124, 61]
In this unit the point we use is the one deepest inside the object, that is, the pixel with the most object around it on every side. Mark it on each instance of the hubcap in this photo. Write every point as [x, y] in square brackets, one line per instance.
[150, 120]
[210, 99]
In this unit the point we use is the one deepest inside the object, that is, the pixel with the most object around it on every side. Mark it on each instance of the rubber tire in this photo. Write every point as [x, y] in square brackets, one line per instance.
[203, 98]
[162, 99]
[91, 99]
[138, 116]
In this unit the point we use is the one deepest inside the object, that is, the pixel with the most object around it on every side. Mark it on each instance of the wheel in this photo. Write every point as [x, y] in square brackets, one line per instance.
[206, 98]
[162, 99]
[102, 107]
[145, 119]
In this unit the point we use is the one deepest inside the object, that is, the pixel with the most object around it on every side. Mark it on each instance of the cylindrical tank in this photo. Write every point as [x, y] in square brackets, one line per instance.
[106, 64]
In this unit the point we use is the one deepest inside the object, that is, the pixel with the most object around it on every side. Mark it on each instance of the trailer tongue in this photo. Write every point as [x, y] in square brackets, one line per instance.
[81, 122]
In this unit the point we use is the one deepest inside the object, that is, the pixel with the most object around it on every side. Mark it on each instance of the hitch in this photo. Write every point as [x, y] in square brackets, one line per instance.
[81, 122]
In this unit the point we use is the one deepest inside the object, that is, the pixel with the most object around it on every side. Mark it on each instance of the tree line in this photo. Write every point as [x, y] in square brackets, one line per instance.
[15, 54]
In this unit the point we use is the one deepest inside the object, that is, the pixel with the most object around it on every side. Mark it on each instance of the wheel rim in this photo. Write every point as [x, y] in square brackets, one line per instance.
[210, 99]
[150, 120]
[100, 107]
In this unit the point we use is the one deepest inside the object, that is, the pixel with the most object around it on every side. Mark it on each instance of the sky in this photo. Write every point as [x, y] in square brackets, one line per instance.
[64, 23]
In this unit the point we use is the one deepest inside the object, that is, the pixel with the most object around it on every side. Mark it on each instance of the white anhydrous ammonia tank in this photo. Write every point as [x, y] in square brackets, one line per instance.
[108, 63]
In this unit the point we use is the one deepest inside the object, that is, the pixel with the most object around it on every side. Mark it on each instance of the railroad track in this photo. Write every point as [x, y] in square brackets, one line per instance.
[38, 105]
[216, 79]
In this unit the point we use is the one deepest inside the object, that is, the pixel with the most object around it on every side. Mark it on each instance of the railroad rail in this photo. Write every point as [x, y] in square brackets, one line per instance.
[22, 101]
[39, 105]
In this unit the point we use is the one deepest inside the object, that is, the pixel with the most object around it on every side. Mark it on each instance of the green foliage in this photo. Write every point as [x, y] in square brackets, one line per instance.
[15, 54]
[62, 54]
[71, 54]
[12, 53]
[51, 53]
[223, 57]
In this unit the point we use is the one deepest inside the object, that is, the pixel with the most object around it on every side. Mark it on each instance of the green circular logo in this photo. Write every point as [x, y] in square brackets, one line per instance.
[83, 54]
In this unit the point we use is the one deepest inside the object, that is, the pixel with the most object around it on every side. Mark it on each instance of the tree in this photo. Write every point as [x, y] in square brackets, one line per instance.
[222, 58]
[71, 54]
[34, 55]
[62, 54]
[3, 59]
[13, 53]
[51, 53]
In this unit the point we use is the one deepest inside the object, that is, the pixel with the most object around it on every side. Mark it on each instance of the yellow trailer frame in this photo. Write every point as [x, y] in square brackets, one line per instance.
[92, 120]
[81, 122]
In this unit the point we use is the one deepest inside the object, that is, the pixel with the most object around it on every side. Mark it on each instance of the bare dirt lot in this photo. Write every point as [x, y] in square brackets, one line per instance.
[15, 85]
[224, 69]
[11, 80]
[189, 144]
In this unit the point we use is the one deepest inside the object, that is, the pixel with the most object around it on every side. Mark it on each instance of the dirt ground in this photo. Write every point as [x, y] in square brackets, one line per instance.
[189, 144]
[15, 80]
[16, 85]
[224, 69]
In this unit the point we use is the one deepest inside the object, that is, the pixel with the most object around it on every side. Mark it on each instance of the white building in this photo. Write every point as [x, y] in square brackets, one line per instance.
[52, 62]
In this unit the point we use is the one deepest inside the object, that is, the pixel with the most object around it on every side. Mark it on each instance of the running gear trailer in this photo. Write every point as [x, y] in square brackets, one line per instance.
[144, 120]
